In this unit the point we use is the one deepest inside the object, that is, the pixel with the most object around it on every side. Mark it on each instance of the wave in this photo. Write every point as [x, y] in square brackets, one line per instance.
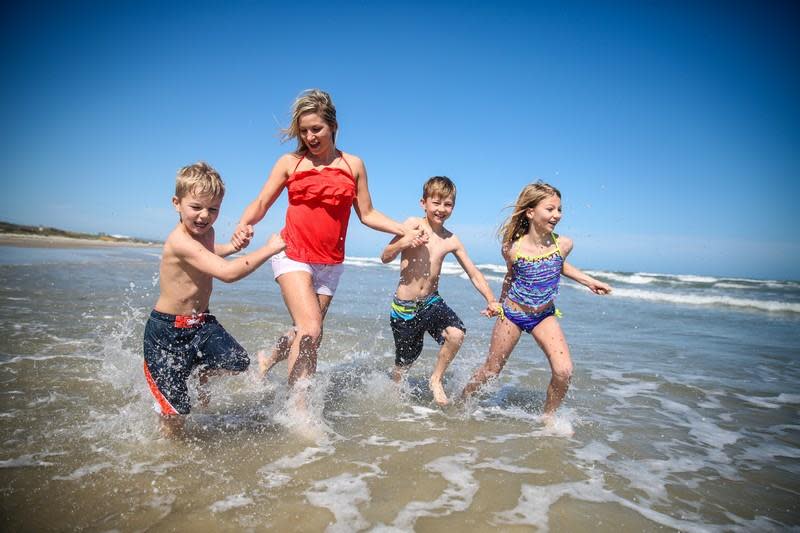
[708, 300]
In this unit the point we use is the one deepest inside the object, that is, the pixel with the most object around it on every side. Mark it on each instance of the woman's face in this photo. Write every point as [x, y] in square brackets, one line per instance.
[316, 134]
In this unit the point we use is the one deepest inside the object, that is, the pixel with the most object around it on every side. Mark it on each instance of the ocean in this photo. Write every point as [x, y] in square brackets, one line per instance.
[682, 414]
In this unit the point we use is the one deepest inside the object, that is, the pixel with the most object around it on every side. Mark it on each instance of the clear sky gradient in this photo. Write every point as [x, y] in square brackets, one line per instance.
[671, 128]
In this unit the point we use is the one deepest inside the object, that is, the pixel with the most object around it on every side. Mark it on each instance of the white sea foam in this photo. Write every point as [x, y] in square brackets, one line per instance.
[707, 300]
[533, 508]
[457, 496]
[503, 464]
[85, 471]
[233, 501]
[401, 445]
[342, 495]
[594, 452]
[31, 459]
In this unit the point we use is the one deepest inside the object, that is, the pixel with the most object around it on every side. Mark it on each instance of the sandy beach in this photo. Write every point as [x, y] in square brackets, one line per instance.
[49, 241]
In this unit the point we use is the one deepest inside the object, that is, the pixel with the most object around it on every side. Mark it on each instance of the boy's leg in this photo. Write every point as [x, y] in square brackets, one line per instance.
[218, 354]
[550, 337]
[505, 336]
[453, 339]
[408, 340]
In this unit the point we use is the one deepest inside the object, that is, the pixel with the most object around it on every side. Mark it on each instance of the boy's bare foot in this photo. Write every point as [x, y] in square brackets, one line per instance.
[438, 393]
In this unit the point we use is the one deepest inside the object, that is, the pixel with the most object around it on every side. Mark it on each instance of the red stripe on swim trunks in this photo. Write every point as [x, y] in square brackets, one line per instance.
[188, 321]
[163, 403]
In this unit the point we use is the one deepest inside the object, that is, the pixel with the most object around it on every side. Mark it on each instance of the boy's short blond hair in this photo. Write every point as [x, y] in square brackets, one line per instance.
[200, 179]
[440, 186]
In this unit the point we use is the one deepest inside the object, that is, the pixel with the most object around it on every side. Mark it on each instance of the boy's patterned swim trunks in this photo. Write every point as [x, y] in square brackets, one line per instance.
[410, 319]
[175, 345]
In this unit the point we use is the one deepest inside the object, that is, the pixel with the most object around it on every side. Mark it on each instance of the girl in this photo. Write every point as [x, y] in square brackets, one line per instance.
[536, 258]
[323, 184]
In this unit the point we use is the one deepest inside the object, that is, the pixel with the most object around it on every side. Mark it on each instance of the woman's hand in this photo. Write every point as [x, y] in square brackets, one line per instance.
[242, 236]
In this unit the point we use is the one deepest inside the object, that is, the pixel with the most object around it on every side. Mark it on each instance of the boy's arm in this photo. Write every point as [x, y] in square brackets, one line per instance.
[477, 279]
[224, 249]
[575, 273]
[199, 257]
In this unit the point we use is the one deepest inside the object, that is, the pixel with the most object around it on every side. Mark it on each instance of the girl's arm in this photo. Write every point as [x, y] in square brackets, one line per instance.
[596, 286]
[254, 212]
[477, 279]
[575, 273]
[506, 251]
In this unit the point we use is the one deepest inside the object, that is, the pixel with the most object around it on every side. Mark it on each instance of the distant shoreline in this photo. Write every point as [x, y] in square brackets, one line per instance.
[53, 241]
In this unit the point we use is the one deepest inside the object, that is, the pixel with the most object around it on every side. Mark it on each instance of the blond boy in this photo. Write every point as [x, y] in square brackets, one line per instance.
[180, 333]
[417, 306]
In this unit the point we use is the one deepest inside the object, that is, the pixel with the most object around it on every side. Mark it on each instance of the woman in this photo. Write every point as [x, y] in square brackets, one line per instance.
[322, 183]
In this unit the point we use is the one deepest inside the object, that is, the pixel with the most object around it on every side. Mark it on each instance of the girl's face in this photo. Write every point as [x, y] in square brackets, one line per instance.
[545, 215]
[317, 135]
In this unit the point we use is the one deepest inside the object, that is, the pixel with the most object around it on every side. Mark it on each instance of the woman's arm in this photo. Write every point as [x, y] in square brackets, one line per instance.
[254, 212]
[367, 214]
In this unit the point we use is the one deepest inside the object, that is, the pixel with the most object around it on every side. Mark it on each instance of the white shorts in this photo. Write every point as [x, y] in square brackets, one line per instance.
[324, 277]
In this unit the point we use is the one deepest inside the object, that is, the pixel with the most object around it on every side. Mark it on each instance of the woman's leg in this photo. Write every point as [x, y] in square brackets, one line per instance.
[281, 350]
[504, 338]
[551, 339]
[304, 307]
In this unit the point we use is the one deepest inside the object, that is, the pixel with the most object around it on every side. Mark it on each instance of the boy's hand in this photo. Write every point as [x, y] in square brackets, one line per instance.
[493, 309]
[598, 287]
[276, 243]
[242, 236]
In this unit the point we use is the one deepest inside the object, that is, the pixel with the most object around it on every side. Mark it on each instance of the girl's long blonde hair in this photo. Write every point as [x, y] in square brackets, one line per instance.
[310, 101]
[517, 224]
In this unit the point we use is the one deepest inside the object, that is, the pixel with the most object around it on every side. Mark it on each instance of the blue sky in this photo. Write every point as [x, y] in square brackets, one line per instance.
[671, 128]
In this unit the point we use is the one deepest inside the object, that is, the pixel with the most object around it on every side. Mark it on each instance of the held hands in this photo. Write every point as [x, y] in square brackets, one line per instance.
[242, 236]
[415, 233]
[493, 309]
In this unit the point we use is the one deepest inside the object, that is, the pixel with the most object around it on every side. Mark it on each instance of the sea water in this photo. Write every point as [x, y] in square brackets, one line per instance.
[682, 414]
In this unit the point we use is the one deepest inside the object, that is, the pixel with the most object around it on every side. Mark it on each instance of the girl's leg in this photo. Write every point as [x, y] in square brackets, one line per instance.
[504, 338]
[301, 300]
[551, 339]
[453, 338]
[285, 341]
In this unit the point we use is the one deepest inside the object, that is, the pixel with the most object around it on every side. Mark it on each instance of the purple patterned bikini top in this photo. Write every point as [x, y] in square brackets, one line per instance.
[535, 279]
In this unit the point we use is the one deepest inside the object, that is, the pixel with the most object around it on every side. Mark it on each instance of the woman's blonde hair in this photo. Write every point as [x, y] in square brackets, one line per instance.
[517, 224]
[310, 101]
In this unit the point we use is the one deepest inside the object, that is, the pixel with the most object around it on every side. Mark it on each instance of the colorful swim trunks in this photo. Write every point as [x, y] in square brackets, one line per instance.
[410, 319]
[175, 345]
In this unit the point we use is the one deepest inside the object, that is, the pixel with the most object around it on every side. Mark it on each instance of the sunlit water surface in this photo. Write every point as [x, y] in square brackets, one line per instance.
[683, 413]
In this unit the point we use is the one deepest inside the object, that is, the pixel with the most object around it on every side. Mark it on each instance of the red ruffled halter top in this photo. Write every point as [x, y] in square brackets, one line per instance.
[318, 213]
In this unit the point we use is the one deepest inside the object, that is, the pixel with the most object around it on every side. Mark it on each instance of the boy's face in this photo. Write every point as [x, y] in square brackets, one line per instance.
[437, 208]
[198, 213]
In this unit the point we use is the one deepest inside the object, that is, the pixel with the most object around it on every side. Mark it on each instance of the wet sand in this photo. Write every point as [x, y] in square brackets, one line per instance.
[49, 241]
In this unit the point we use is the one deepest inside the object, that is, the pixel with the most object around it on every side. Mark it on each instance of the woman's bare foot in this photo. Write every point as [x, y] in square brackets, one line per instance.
[265, 363]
